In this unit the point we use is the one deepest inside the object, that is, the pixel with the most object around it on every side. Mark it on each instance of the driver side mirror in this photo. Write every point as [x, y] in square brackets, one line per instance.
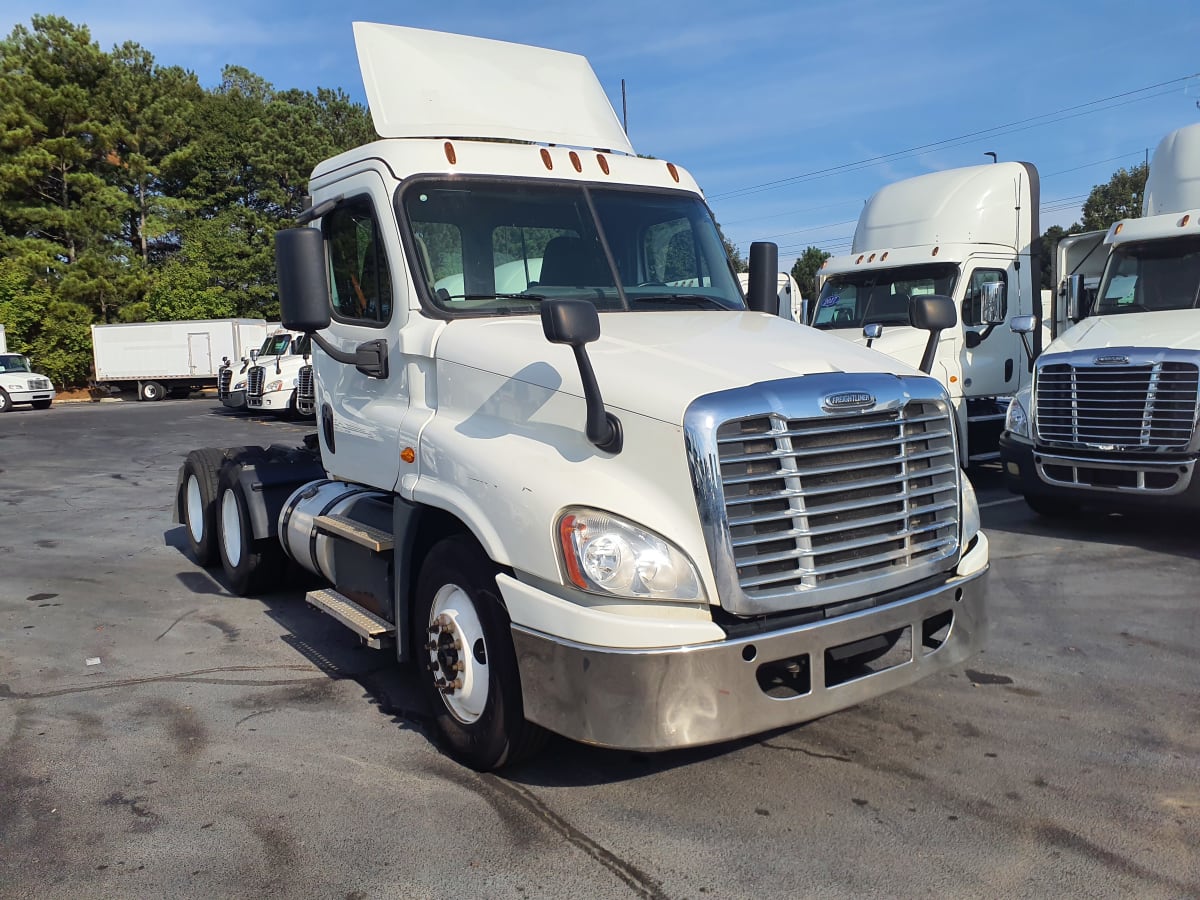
[303, 281]
[992, 302]
[1075, 310]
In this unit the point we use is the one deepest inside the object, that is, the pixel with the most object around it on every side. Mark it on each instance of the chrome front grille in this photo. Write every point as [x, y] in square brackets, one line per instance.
[255, 379]
[40, 384]
[306, 391]
[819, 508]
[224, 382]
[1145, 407]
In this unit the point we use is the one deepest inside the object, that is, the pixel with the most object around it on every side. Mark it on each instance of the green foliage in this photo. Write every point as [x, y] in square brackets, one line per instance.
[805, 270]
[130, 193]
[1118, 198]
[731, 249]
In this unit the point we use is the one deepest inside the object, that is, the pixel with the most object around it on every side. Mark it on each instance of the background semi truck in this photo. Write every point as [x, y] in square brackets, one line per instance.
[272, 379]
[636, 513]
[161, 358]
[1111, 417]
[970, 234]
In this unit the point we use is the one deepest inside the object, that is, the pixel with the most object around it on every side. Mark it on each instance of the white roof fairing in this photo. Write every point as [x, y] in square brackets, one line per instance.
[423, 84]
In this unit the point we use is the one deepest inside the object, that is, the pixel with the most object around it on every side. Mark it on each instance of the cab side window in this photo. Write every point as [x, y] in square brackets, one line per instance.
[972, 312]
[360, 282]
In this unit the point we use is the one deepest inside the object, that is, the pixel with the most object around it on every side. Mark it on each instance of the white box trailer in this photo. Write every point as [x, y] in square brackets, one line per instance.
[3, 341]
[171, 357]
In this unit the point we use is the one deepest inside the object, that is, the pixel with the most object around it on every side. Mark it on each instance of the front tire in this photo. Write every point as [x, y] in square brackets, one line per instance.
[1051, 507]
[250, 565]
[471, 676]
[5, 401]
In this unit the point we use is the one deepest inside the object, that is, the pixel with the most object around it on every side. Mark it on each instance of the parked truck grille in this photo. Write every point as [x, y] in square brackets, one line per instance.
[816, 506]
[224, 382]
[306, 391]
[1148, 407]
[255, 379]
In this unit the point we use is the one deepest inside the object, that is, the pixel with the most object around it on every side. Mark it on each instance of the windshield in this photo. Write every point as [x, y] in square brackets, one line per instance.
[1150, 276]
[283, 345]
[13, 362]
[880, 296]
[499, 248]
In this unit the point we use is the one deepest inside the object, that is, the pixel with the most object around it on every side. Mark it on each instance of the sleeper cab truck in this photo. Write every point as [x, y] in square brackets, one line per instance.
[617, 502]
[971, 234]
[1110, 419]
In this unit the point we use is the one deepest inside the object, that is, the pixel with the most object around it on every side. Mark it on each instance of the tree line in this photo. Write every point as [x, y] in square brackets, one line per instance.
[129, 192]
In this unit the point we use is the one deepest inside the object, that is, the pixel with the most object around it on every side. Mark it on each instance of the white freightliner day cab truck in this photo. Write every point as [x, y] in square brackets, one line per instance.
[970, 234]
[161, 358]
[271, 381]
[19, 384]
[1111, 417]
[636, 514]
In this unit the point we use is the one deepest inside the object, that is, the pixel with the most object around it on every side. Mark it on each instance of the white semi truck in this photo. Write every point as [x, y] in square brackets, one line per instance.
[272, 379]
[599, 502]
[1110, 419]
[161, 358]
[19, 384]
[970, 234]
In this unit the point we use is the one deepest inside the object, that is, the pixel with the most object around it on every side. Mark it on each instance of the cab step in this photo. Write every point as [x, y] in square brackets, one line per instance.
[374, 539]
[375, 632]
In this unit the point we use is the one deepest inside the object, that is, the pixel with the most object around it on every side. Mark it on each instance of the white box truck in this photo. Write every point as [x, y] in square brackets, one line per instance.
[1110, 419]
[970, 234]
[590, 502]
[160, 358]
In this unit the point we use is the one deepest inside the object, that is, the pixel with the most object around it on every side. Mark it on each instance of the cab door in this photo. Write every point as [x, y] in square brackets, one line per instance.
[992, 355]
[360, 416]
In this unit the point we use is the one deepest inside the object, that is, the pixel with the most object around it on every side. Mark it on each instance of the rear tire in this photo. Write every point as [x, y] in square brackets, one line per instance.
[251, 566]
[150, 391]
[480, 721]
[42, 404]
[197, 503]
[1051, 507]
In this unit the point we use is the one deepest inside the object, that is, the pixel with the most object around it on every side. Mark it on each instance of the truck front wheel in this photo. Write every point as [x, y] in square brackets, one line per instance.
[1051, 507]
[250, 565]
[466, 649]
[5, 402]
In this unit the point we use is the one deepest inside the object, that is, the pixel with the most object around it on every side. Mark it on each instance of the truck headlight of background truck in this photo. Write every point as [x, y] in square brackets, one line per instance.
[605, 554]
[1016, 421]
[971, 522]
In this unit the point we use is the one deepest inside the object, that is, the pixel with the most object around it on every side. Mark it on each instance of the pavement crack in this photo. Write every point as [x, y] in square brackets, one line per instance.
[176, 622]
[7, 693]
[638, 881]
[814, 754]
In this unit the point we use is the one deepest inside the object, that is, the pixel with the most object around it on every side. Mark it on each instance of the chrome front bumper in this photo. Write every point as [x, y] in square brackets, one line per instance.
[703, 694]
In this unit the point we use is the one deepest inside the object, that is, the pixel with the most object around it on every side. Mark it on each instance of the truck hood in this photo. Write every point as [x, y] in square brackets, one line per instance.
[656, 363]
[1178, 328]
[902, 342]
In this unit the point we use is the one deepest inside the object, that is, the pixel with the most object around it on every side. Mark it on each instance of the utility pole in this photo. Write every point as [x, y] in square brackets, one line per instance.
[624, 110]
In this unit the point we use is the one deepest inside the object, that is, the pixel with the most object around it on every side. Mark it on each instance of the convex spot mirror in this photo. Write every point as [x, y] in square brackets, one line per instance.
[1023, 324]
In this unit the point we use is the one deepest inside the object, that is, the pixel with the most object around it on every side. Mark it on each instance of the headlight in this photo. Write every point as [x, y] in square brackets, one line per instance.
[240, 386]
[1016, 420]
[604, 554]
[970, 512]
[276, 385]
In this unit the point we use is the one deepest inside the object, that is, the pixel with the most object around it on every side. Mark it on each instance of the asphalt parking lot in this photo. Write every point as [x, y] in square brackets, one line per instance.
[250, 747]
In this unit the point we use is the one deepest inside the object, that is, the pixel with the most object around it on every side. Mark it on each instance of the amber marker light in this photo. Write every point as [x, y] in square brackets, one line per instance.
[1184, 221]
[408, 454]
[872, 259]
[1117, 230]
[600, 158]
[953, 378]
[575, 161]
[566, 531]
[451, 156]
[674, 172]
[546, 158]
[884, 257]
[935, 250]
[857, 261]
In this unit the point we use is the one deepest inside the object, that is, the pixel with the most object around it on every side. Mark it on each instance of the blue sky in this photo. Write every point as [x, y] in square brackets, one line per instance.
[759, 99]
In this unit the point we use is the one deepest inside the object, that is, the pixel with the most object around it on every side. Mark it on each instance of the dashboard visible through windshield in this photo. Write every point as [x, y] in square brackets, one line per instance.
[879, 296]
[500, 248]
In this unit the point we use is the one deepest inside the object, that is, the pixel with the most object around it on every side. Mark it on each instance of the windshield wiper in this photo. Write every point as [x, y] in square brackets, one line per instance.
[444, 296]
[689, 299]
